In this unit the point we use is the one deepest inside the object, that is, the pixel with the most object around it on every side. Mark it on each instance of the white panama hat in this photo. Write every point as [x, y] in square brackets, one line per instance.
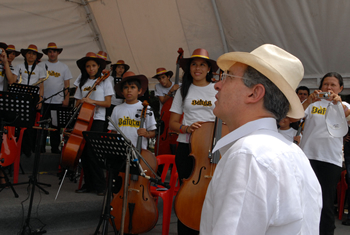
[282, 68]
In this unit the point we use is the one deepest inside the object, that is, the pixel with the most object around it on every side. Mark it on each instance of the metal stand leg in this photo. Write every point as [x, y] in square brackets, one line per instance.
[106, 215]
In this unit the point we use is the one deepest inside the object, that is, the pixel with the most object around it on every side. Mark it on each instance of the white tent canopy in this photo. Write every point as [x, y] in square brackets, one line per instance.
[147, 34]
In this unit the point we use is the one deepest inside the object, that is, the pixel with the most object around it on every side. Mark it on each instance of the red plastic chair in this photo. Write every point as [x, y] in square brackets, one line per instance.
[342, 186]
[166, 194]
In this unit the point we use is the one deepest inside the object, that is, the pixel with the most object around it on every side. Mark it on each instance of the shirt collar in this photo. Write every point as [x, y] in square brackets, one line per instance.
[246, 129]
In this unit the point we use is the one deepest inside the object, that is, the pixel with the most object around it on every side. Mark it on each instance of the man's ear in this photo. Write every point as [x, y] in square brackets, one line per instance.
[140, 91]
[257, 94]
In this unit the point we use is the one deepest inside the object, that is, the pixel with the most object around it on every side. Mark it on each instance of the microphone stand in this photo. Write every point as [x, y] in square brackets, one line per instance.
[26, 229]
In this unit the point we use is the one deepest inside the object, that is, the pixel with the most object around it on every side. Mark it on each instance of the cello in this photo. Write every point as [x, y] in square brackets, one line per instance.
[190, 197]
[166, 142]
[141, 212]
[74, 146]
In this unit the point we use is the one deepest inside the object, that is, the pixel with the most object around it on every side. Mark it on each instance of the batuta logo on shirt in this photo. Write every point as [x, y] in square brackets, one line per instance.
[88, 88]
[317, 110]
[28, 73]
[54, 74]
[128, 122]
[1, 73]
[201, 102]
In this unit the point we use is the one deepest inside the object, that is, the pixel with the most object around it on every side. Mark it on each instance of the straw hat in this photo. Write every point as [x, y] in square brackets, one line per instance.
[198, 53]
[3, 45]
[130, 75]
[34, 48]
[52, 46]
[282, 68]
[161, 71]
[11, 48]
[103, 55]
[90, 56]
[121, 62]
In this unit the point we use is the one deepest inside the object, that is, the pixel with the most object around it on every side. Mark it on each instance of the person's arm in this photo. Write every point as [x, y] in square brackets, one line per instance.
[106, 103]
[41, 94]
[311, 99]
[148, 134]
[175, 124]
[65, 102]
[167, 96]
[11, 78]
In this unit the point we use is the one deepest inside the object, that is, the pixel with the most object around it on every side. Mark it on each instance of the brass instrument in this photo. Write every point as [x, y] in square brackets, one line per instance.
[20, 77]
[41, 81]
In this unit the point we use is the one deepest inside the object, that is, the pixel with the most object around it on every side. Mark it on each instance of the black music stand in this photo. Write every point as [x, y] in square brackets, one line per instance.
[111, 151]
[15, 110]
[64, 114]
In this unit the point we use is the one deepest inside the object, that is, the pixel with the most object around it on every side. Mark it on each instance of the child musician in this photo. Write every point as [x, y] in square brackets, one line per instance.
[91, 68]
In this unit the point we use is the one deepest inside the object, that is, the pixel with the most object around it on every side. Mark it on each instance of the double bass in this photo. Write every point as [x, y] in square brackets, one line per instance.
[141, 212]
[74, 146]
[190, 197]
[166, 142]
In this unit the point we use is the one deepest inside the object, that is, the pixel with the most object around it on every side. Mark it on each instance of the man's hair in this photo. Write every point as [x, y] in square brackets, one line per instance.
[332, 74]
[132, 82]
[274, 100]
[303, 88]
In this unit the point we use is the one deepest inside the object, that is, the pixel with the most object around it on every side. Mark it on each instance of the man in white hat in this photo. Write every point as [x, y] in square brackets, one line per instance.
[263, 184]
[59, 78]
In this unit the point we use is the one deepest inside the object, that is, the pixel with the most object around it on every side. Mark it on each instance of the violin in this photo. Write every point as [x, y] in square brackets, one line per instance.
[190, 197]
[166, 142]
[141, 213]
[74, 146]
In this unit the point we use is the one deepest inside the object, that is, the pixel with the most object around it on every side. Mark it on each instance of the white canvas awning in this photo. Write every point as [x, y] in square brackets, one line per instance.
[147, 34]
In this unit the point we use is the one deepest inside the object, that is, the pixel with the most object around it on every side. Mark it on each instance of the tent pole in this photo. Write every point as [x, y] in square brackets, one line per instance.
[223, 38]
[93, 25]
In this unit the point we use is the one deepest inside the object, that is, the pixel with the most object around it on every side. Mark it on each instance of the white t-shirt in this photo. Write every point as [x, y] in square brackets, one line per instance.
[263, 184]
[124, 115]
[58, 73]
[115, 100]
[102, 90]
[162, 91]
[38, 73]
[317, 143]
[288, 134]
[76, 82]
[197, 107]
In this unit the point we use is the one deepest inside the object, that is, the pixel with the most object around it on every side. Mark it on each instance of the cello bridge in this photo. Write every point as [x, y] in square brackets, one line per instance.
[132, 189]
[208, 176]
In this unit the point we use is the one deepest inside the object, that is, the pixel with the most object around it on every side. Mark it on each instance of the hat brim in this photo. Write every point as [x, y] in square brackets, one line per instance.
[45, 51]
[17, 53]
[168, 74]
[143, 80]
[24, 52]
[227, 60]
[127, 67]
[185, 63]
[81, 62]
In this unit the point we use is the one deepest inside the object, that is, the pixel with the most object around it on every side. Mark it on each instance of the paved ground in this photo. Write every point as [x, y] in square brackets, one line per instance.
[71, 213]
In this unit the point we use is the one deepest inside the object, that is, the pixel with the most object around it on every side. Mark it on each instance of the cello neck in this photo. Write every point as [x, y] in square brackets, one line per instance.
[142, 122]
[181, 52]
